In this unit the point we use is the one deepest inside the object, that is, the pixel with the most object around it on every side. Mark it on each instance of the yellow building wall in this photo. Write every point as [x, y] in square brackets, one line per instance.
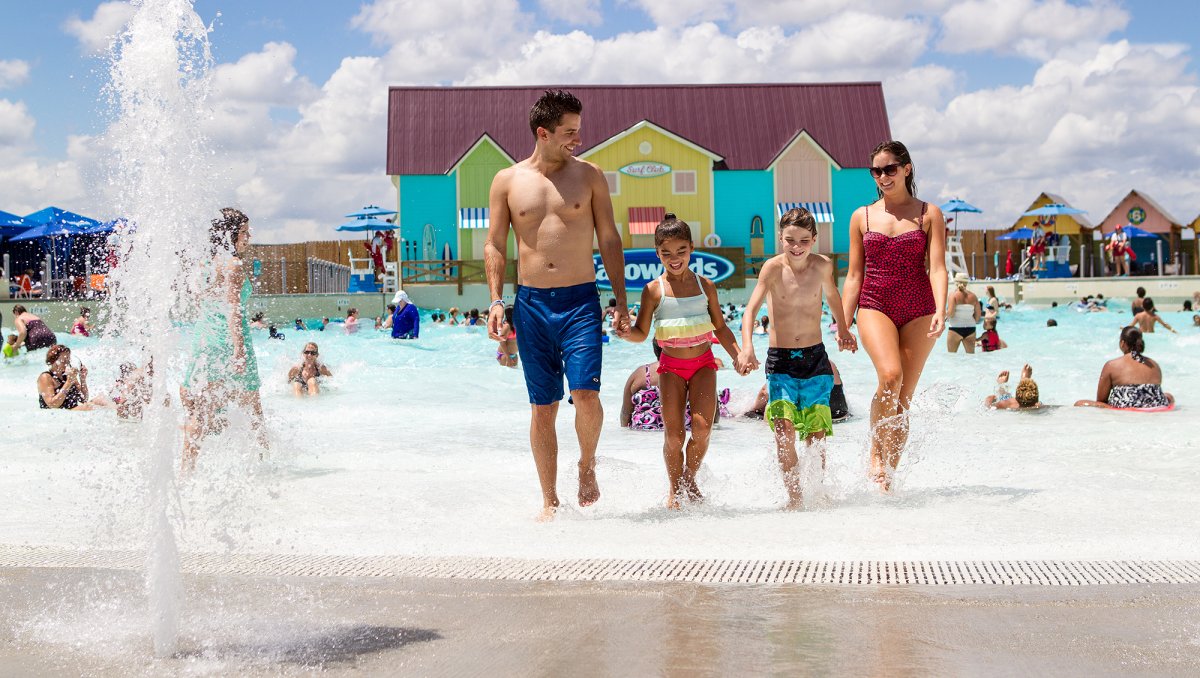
[1064, 224]
[696, 209]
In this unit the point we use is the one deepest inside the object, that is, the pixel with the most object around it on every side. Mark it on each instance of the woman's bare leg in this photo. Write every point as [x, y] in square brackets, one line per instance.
[915, 346]
[881, 340]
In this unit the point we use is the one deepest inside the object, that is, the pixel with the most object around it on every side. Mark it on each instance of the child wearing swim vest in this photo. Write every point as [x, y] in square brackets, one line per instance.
[10, 347]
[799, 375]
[687, 320]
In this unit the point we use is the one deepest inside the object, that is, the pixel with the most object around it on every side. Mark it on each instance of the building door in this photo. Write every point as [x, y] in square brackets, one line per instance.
[756, 237]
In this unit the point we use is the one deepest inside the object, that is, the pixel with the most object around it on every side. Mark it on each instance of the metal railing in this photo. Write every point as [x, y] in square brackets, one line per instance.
[326, 277]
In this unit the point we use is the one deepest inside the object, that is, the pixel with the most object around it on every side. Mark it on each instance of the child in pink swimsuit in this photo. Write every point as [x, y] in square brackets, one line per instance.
[687, 318]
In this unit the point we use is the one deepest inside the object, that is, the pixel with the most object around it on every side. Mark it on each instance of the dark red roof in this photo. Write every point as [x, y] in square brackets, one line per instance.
[430, 128]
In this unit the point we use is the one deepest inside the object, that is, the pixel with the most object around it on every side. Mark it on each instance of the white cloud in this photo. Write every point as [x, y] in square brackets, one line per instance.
[266, 77]
[576, 12]
[96, 35]
[13, 73]
[16, 124]
[1088, 125]
[1032, 28]
[674, 13]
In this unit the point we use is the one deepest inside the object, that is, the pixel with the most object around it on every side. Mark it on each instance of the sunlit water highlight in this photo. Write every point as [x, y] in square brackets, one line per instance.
[421, 448]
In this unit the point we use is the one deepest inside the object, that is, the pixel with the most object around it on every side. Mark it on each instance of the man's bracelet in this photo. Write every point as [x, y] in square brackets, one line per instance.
[495, 302]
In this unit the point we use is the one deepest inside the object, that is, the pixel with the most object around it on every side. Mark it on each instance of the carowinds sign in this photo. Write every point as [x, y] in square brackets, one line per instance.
[643, 266]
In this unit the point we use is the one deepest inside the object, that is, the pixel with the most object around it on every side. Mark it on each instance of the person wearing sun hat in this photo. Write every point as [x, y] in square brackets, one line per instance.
[962, 315]
[406, 319]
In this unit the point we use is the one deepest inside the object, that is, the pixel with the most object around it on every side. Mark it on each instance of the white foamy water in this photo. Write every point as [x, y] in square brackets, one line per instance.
[421, 448]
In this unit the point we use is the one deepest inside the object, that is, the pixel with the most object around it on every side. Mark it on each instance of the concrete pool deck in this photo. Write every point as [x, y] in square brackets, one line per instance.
[92, 621]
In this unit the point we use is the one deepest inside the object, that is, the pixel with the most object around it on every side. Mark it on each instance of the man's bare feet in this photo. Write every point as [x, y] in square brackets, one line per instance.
[547, 514]
[589, 490]
[673, 502]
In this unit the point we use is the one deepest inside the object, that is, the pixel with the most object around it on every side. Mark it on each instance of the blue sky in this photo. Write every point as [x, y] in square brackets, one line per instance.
[1055, 94]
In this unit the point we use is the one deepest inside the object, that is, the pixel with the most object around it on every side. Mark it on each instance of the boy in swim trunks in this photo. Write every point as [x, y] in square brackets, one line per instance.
[799, 375]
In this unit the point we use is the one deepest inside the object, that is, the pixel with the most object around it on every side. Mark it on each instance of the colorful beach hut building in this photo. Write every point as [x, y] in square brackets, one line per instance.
[1139, 209]
[1073, 230]
[728, 159]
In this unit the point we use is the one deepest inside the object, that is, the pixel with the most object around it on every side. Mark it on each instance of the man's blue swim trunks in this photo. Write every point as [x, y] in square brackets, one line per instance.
[558, 333]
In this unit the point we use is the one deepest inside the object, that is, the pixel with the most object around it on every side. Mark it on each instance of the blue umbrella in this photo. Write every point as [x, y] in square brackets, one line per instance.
[1135, 232]
[1054, 209]
[371, 211]
[48, 231]
[955, 206]
[1019, 234]
[368, 224]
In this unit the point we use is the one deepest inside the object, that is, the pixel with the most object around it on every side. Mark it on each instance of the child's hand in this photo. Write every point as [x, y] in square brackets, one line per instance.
[748, 360]
[1002, 378]
[846, 341]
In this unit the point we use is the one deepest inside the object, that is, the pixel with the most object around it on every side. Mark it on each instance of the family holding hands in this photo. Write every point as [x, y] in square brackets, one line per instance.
[558, 206]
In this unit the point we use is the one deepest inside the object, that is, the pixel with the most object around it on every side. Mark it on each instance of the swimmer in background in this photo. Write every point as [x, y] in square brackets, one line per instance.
[132, 390]
[1196, 320]
[800, 376]
[1026, 397]
[351, 321]
[1148, 318]
[453, 316]
[258, 322]
[1131, 381]
[300, 326]
[990, 340]
[82, 326]
[763, 326]
[11, 347]
[507, 353]
[304, 377]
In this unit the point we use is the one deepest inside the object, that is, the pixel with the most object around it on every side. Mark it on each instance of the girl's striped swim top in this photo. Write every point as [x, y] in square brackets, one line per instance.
[682, 322]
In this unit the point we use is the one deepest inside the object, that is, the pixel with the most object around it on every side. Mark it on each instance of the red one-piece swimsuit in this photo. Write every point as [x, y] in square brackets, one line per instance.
[895, 281]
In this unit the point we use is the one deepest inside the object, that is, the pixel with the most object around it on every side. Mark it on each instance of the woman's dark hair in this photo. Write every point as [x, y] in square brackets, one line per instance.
[18, 310]
[84, 310]
[548, 110]
[391, 308]
[765, 321]
[1148, 305]
[671, 227]
[1132, 338]
[351, 311]
[54, 352]
[508, 312]
[1187, 304]
[474, 313]
[900, 152]
[257, 316]
[612, 303]
[223, 234]
[1141, 291]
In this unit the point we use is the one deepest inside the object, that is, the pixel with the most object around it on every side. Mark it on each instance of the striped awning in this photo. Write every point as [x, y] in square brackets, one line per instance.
[643, 220]
[473, 217]
[821, 211]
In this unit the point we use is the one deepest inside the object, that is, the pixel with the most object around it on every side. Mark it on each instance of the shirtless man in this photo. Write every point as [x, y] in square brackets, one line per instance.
[1148, 318]
[557, 205]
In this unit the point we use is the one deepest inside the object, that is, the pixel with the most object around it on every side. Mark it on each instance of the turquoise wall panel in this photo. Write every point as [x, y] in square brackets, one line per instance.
[852, 188]
[429, 199]
[740, 196]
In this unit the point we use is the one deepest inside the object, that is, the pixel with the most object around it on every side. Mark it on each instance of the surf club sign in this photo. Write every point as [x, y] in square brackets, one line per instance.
[643, 265]
[645, 170]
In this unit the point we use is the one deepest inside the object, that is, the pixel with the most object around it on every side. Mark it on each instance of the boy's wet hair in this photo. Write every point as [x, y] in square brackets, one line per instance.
[671, 228]
[548, 110]
[1027, 393]
[1148, 305]
[800, 217]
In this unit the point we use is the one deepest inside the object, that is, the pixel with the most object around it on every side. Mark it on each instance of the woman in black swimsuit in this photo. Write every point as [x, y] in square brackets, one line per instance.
[62, 387]
[1131, 382]
[32, 330]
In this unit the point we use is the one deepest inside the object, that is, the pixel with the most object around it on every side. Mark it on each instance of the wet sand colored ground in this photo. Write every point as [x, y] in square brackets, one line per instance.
[59, 621]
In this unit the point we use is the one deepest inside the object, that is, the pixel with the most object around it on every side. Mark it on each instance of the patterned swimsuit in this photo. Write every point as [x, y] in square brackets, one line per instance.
[895, 281]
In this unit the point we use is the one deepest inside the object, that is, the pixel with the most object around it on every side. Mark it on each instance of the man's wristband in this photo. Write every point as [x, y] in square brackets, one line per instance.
[495, 302]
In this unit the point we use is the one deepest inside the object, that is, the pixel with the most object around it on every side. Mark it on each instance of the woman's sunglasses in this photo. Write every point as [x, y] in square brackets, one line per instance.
[889, 170]
[310, 353]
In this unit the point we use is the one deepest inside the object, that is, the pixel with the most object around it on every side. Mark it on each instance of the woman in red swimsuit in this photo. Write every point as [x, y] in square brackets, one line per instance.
[897, 282]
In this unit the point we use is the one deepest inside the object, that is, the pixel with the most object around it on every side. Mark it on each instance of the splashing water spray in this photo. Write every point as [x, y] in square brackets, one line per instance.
[161, 178]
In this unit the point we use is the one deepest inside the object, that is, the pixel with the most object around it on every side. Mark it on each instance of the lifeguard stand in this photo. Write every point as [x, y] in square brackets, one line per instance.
[362, 275]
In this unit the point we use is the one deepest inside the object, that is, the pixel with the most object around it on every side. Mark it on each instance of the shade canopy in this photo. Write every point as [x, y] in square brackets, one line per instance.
[371, 211]
[55, 215]
[1019, 234]
[368, 224]
[955, 206]
[1135, 232]
[1054, 209]
[11, 224]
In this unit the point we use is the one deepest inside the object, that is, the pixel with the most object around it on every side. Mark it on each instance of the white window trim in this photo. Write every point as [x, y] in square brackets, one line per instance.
[617, 176]
[695, 182]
